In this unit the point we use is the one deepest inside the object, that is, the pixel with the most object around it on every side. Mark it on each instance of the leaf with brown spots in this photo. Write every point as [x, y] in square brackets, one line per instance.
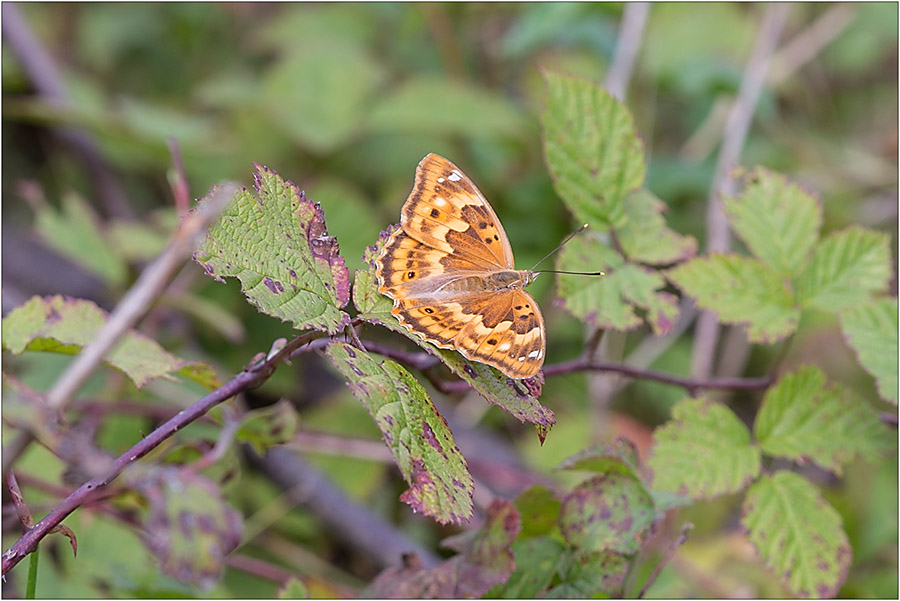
[517, 397]
[485, 560]
[420, 439]
[276, 243]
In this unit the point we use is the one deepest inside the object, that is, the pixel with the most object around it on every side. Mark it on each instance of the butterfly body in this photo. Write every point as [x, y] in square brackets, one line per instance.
[449, 269]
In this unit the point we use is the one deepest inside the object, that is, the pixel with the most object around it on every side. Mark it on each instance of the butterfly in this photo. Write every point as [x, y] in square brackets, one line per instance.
[449, 269]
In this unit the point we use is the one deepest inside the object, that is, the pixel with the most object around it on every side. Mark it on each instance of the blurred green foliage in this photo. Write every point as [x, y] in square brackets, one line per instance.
[344, 100]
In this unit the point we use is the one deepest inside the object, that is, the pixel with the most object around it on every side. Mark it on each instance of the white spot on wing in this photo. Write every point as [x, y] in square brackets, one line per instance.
[440, 201]
[454, 176]
[440, 180]
[503, 347]
[522, 358]
[534, 354]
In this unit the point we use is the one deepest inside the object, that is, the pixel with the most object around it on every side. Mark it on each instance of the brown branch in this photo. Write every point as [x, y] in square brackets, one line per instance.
[706, 335]
[631, 34]
[140, 297]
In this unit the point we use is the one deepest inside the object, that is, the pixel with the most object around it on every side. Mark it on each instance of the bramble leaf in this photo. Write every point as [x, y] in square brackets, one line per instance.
[538, 560]
[484, 561]
[64, 325]
[519, 399]
[871, 329]
[189, 527]
[703, 452]
[803, 419]
[777, 219]
[275, 242]
[439, 482]
[797, 534]
[592, 150]
[740, 290]
[607, 513]
[645, 238]
[846, 269]
[269, 426]
[591, 575]
[539, 508]
[76, 234]
[610, 301]
[620, 457]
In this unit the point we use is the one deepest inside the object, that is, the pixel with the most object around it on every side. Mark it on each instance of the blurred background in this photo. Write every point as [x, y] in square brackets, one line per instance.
[344, 100]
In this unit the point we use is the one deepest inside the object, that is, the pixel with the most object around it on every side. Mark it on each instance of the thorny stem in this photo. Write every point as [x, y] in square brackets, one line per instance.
[251, 377]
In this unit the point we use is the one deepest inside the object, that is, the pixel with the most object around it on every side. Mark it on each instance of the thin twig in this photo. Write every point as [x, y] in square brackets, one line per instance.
[666, 558]
[253, 376]
[178, 180]
[631, 34]
[718, 237]
[139, 297]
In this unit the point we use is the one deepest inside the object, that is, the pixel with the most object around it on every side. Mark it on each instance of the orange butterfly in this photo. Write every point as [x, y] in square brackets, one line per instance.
[449, 269]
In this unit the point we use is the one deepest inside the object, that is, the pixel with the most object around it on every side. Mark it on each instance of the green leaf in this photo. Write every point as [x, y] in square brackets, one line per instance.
[293, 589]
[275, 242]
[607, 513]
[645, 238]
[591, 575]
[740, 290]
[610, 301]
[538, 560]
[518, 398]
[189, 527]
[319, 96]
[778, 220]
[484, 561]
[58, 324]
[871, 329]
[592, 150]
[439, 482]
[539, 509]
[440, 106]
[269, 426]
[804, 420]
[798, 534]
[619, 457]
[704, 452]
[846, 269]
[76, 234]
[140, 240]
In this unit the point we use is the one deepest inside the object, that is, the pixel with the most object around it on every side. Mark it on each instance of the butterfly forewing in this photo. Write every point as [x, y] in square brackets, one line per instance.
[447, 212]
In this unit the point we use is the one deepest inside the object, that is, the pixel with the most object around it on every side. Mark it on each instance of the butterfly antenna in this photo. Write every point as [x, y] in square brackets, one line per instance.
[561, 244]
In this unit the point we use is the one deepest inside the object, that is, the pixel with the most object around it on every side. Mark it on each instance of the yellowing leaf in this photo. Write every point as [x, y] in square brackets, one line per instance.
[703, 452]
[741, 291]
[871, 329]
[798, 534]
[778, 220]
[803, 419]
[58, 324]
